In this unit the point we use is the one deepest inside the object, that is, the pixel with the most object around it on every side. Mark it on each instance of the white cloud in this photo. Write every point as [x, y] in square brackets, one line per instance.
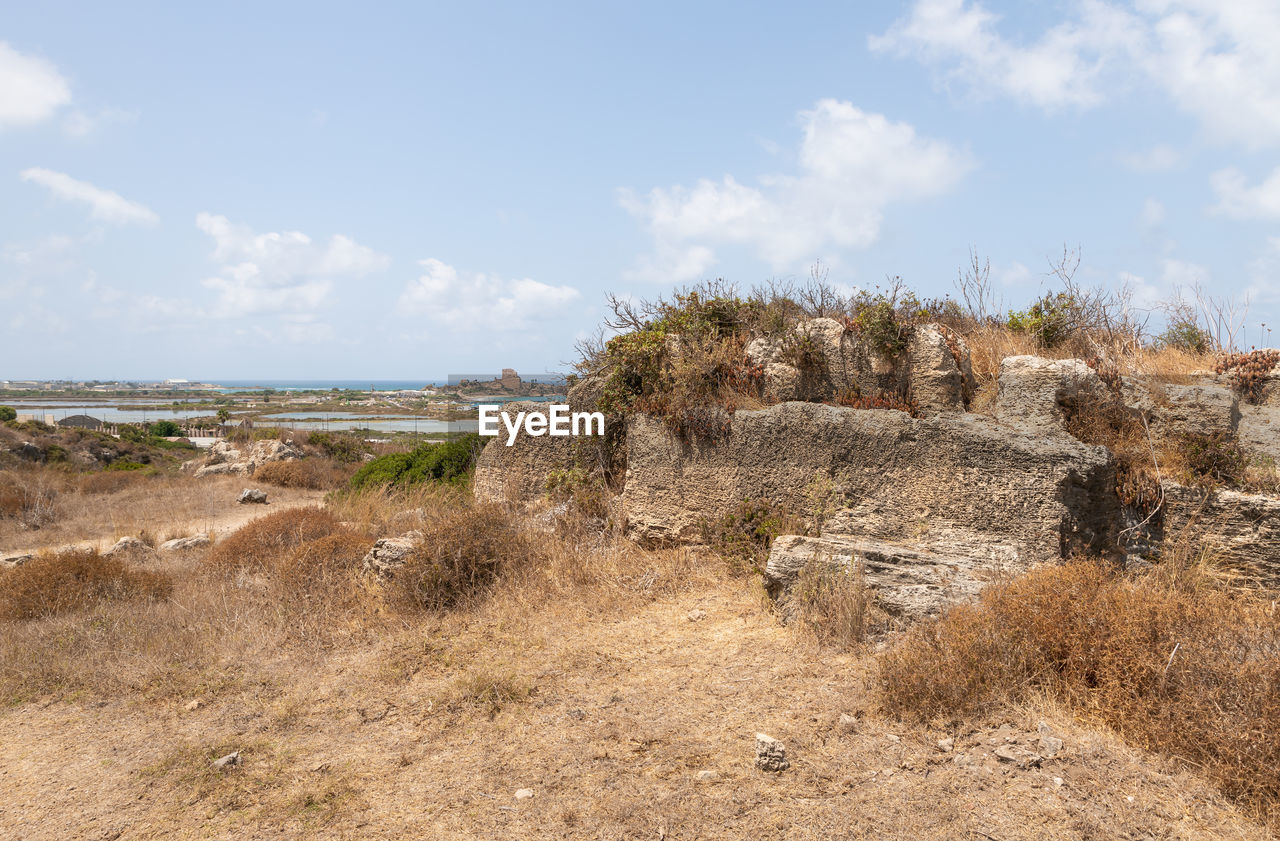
[280, 272]
[852, 165]
[1063, 68]
[104, 205]
[1241, 201]
[31, 89]
[466, 299]
[1216, 61]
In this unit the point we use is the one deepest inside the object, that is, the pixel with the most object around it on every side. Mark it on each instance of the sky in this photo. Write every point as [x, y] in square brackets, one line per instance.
[321, 190]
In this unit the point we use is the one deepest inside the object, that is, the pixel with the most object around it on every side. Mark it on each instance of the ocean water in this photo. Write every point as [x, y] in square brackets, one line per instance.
[326, 385]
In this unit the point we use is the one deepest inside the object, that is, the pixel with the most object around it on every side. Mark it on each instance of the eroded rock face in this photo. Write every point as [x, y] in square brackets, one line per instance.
[910, 582]
[961, 479]
[519, 473]
[932, 369]
[1033, 391]
[1242, 530]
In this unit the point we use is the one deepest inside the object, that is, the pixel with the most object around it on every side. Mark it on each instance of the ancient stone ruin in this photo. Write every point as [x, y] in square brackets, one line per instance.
[930, 507]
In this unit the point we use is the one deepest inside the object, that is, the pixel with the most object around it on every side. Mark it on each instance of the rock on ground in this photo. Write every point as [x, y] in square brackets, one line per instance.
[771, 755]
[185, 544]
[1242, 529]
[519, 473]
[131, 548]
[252, 495]
[390, 553]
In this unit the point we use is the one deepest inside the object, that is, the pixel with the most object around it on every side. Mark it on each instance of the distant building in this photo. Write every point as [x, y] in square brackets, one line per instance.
[510, 379]
[80, 422]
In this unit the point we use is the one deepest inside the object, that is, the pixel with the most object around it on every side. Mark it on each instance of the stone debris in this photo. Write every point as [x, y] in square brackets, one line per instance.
[1018, 756]
[706, 775]
[946, 745]
[697, 615]
[1050, 745]
[14, 561]
[771, 755]
[131, 548]
[252, 495]
[225, 763]
[186, 544]
[390, 553]
[523, 793]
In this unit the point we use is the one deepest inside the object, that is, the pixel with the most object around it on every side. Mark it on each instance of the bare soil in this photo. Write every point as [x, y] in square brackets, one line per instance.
[608, 714]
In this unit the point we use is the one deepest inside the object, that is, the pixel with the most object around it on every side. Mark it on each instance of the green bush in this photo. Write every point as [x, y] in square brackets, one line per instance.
[1051, 320]
[1186, 335]
[344, 448]
[449, 461]
[8, 413]
[165, 429]
[125, 465]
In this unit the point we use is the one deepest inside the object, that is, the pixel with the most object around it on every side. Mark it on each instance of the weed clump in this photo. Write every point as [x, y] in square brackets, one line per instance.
[1172, 663]
[1248, 371]
[314, 474]
[264, 542]
[53, 584]
[462, 553]
[744, 536]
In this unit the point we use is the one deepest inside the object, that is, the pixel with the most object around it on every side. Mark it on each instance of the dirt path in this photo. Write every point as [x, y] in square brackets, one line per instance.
[174, 509]
[634, 725]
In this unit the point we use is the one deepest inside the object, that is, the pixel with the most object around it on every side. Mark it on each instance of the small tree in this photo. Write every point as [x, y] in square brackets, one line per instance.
[165, 429]
[8, 413]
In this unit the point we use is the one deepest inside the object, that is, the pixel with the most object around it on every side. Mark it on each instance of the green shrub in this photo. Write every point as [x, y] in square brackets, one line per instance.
[165, 429]
[1188, 336]
[1051, 320]
[124, 464]
[344, 448]
[448, 461]
[8, 413]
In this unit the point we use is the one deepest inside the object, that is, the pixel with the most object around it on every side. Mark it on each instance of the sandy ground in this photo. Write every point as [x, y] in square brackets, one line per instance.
[164, 508]
[637, 724]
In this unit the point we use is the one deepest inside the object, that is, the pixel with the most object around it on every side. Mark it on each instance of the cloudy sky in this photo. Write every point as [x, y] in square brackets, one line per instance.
[338, 191]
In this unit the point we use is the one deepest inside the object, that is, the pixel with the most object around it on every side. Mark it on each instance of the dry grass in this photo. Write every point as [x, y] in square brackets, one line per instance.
[268, 542]
[462, 553]
[833, 606]
[102, 507]
[1174, 664]
[52, 584]
[317, 474]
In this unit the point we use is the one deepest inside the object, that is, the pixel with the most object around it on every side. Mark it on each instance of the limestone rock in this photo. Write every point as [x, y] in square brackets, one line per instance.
[940, 371]
[1243, 529]
[957, 479]
[523, 793]
[771, 755]
[1050, 745]
[1032, 391]
[226, 763]
[185, 544]
[224, 468]
[390, 553]
[222, 452]
[12, 561]
[909, 581]
[272, 450]
[252, 495]
[130, 548]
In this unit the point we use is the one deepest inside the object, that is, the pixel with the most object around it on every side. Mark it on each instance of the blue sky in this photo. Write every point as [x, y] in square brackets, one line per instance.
[318, 190]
